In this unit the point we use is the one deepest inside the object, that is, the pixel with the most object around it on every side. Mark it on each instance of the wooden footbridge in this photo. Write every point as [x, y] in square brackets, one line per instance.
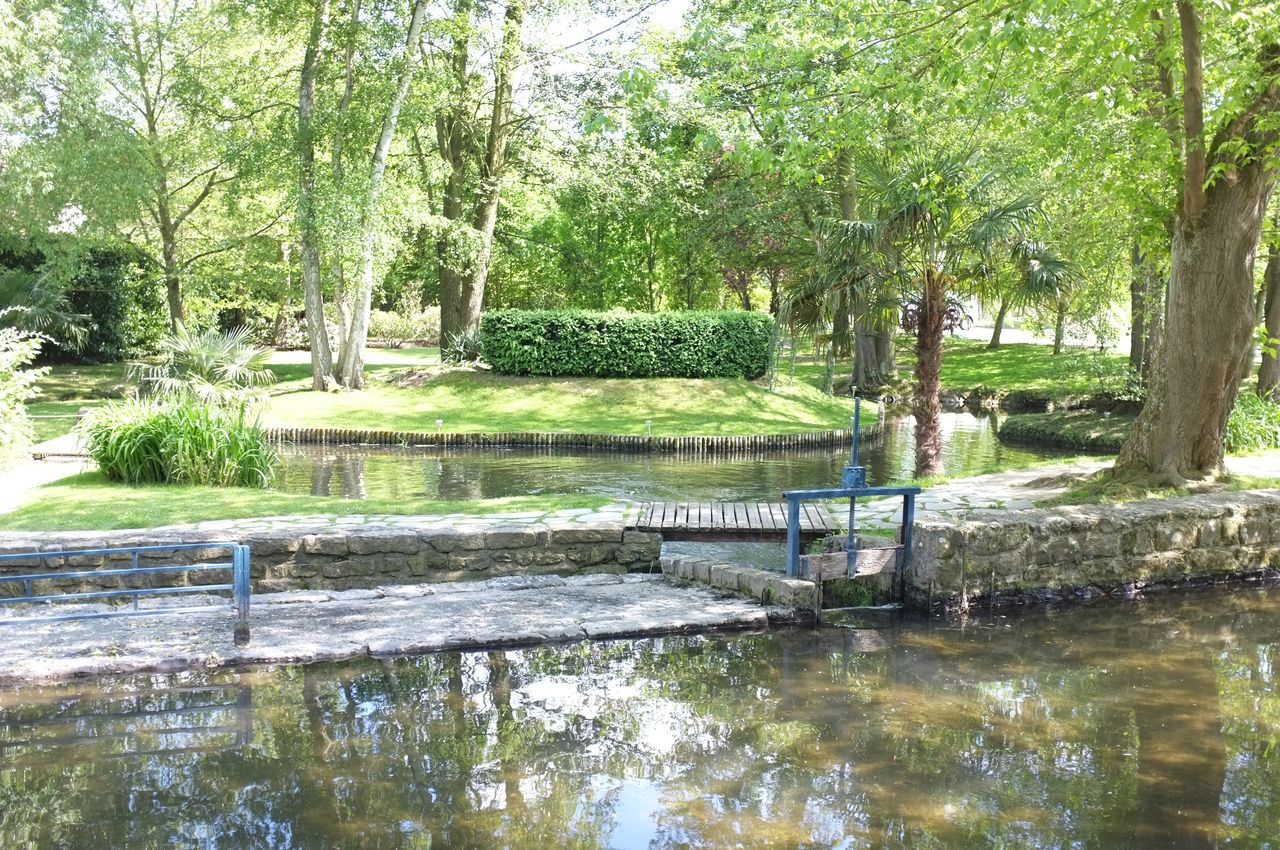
[711, 521]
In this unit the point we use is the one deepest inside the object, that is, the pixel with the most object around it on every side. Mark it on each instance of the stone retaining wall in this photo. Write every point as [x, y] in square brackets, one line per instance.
[334, 557]
[1081, 551]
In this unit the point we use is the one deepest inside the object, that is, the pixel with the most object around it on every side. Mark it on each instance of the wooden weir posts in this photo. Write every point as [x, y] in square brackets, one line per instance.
[727, 521]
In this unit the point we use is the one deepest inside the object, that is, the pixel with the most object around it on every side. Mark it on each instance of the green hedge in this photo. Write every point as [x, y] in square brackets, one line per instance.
[717, 344]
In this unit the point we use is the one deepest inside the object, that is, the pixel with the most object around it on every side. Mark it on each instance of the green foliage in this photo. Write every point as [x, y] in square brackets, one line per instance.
[179, 441]
[628, 345]
[212, 367]
[121, 309]
[1107, 375]
[17, 384]
[1254, 424]
[395, 328]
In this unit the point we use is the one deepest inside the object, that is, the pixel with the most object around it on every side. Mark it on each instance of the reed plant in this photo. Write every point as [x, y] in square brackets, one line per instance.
[179, 441]
[1254, 424]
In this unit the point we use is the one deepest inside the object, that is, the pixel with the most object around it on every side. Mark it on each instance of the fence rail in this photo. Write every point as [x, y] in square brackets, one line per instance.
[238, 586]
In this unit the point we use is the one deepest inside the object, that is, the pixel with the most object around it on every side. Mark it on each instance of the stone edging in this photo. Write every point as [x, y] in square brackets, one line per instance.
[765, 586]
[709, 444]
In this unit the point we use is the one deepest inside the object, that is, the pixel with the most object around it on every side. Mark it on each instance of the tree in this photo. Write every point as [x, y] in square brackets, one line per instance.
[939, 218]
[153, 124]
[474, 213]
[1227, 179]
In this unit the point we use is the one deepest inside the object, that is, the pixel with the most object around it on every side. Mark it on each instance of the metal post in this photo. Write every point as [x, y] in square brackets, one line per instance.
[240, 591]
[793, 535]
[904, 561]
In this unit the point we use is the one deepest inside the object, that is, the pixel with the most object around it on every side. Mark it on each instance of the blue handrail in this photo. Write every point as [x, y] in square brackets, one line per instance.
[238, 586]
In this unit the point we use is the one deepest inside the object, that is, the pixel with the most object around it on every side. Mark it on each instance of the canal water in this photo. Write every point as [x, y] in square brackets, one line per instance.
[970, 446]
[1152, 725]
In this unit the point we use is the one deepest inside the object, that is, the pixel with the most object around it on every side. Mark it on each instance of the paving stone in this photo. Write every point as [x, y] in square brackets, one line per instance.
[383, 621]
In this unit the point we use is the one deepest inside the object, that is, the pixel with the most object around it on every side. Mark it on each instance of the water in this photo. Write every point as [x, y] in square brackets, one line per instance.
[1149, 724]
[970, 445]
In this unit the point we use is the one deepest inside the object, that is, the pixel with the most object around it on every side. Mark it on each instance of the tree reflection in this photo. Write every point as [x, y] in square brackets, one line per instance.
[1141, 725]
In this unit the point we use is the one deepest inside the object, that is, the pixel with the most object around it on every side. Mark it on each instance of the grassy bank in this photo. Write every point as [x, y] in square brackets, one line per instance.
[89, 502]
[1079, 430]
[481, 401]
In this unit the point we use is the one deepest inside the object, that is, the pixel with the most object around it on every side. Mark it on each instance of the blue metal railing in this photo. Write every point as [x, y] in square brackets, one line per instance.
[853, 486]
[238, 586]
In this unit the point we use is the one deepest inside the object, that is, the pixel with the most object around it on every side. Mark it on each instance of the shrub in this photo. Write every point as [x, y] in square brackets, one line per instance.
[718, 344]
[179, 442]
[212, 367]
[397, 328]
[17, 385]
[394, 329]
[1254, 424]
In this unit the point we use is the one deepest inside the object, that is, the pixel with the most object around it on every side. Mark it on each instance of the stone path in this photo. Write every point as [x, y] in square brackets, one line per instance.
[20, 480]
[308, 626]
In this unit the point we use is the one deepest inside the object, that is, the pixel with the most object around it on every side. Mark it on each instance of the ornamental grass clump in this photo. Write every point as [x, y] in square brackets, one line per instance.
[179, 441]
[1254, 424]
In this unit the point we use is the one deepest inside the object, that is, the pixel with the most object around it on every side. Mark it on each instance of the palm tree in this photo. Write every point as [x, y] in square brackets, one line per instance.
[211, 366]
[940, 223]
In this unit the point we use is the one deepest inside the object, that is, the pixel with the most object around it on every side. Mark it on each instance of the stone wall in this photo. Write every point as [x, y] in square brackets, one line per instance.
[336, 557]
[765, 586]
[1044, 555]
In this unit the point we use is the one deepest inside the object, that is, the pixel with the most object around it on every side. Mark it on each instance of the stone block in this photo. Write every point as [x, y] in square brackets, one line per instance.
[510, 539]
[370, 542]
[452, 541]
[325, 544]
[587, 534]
[642, 538]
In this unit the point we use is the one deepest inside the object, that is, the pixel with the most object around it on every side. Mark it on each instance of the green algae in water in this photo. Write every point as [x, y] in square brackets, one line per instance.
[1147, 724]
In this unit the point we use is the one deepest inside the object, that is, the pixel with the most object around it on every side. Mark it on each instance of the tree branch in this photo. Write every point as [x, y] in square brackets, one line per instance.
[1195, 156]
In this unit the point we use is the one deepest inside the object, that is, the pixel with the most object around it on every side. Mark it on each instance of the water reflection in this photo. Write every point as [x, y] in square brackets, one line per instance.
[970, 445]
[1147, 725]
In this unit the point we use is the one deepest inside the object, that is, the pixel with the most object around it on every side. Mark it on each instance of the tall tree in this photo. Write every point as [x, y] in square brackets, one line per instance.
[358, 298]
[462, 289]
[1227, 179]
[308, 227]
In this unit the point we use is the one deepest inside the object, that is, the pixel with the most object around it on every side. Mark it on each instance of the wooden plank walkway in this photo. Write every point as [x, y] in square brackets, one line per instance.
[706, 521]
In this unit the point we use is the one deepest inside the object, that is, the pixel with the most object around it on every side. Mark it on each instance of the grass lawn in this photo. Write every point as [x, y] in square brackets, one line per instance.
[89, 502]
[482, 401]
[968, 363]
[63, 415]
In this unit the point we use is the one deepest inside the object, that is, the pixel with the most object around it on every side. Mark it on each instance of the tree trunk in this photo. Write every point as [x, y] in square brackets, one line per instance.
[351, 360]
[1269, 371]
[873, 356]
[1210, 318]
[1138, 285]
[925, 405]
[1059, 326]
[1156, 307]
[486, 219]
[1001, 314]
[452, 131]
[172, 278]
[313, 297]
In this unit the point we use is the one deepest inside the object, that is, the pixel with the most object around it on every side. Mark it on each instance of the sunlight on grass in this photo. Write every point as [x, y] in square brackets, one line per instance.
[89, 501]
[481, 401]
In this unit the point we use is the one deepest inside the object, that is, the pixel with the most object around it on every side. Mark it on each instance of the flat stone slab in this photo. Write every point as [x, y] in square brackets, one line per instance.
[295, 628]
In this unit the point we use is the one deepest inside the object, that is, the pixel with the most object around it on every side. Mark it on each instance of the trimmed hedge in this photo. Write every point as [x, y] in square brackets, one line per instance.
[713, 344]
